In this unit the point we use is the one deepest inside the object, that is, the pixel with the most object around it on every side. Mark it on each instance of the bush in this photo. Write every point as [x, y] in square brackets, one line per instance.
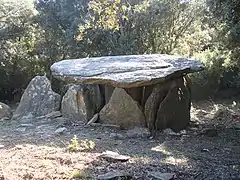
[220, 77]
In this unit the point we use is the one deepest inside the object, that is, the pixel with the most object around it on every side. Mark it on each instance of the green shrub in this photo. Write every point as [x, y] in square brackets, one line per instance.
[83, 145]
[80, 174]
[220, 74]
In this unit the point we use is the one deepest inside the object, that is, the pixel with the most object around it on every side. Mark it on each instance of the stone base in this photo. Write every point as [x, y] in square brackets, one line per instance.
[157, 107]
[165, 105]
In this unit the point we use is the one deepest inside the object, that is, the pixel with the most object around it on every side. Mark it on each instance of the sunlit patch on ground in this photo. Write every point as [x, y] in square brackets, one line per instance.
[37, 153]
[161, 148]
[176, 161]
[42, 162]
[170, 159]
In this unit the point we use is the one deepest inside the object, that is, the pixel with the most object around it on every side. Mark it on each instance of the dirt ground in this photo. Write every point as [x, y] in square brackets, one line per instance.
[210, 148]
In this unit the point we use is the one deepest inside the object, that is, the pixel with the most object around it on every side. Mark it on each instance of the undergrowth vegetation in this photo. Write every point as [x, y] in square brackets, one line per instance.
[82, 145]
[35, 34]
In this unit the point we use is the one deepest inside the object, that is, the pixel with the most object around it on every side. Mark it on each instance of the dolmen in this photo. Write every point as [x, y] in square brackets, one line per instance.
[152, 90]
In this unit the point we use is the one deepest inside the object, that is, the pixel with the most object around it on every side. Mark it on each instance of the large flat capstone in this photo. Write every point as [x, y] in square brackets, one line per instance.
[125, 71]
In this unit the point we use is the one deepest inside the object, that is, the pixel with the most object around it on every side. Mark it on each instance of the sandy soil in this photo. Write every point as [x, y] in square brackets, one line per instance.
[210, 149]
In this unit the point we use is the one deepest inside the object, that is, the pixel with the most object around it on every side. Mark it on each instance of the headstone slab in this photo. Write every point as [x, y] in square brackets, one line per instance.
[124, 71]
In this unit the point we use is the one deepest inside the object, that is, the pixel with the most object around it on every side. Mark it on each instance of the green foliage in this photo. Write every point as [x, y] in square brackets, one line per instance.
[19, 60]
[74, 145]
[76, 174]
[221, 58]
[220, 74]
[82, 174]
[83, 145]
[35, 34]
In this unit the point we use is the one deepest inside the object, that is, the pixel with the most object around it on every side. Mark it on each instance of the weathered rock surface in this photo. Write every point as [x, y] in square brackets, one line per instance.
[122, 110]
[114, 157]
[152, 104]
[69, 107]
[172, 133]
[81, 102]
[124, 71]
[168, 106]
[38, 99]
[60, 130]
[5, 111]
[115, 175]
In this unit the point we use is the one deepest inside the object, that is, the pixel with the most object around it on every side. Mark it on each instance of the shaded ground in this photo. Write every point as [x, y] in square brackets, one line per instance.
[209, 150]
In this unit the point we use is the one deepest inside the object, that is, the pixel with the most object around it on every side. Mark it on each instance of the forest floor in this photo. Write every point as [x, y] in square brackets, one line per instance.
[209, 148]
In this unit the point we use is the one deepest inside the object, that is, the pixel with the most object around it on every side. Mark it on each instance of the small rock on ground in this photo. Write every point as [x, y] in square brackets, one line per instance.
[114, 156]
[162, 176]
[54, 114]
[115, 175]
[116, 136]
[26, 125]
[172, 133]
[21, 129]
[60, 130]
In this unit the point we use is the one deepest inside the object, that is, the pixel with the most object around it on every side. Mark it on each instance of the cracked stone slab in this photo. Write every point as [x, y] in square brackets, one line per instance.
[124, 71]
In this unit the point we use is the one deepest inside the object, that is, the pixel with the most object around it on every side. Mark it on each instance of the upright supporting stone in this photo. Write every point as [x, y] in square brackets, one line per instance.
[175, 107]
[81, 102]
[168, 106]
[69, 107]
[122, 110]
[152, 105]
